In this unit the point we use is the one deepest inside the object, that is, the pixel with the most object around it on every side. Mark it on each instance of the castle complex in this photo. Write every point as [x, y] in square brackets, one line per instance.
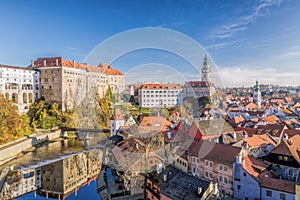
[59, 81]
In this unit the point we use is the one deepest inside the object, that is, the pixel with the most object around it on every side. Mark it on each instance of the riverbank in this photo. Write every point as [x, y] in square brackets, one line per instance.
[11, 150]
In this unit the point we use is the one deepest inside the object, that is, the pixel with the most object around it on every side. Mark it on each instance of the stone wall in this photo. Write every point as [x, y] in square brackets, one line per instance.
[12, 149]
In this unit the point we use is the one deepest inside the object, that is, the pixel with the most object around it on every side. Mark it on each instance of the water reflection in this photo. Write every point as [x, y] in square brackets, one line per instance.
[63, 169]
[57, 178]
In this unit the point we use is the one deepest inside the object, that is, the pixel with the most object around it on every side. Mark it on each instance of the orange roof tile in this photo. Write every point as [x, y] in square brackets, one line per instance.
[277, 184]
[253, 167]
[155, 121]
[117, 115]
[60, 61]
[198, 84]
[223, 154]
[272, 119]
[290, 147]
[258, 140]
[160, 86]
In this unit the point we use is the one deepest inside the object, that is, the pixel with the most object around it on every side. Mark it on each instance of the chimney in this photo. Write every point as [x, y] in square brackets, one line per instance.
[239, 159]
[45, 62]
[56, 62]
[199, 190]
[165, 177]
[73, 63]
[32, 63]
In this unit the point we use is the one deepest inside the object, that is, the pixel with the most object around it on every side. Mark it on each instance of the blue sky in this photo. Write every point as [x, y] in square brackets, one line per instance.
[246, 39]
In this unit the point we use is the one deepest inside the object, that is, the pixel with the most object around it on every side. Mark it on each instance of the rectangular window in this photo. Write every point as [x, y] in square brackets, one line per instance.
[220, 178]
[206, 174]
[282, 196]
[268, 193]
[221, 167]
[225, 180]
[225, 168]
[238, 187]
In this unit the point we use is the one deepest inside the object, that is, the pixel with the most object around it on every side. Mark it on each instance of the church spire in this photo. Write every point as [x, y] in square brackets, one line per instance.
[205, 70]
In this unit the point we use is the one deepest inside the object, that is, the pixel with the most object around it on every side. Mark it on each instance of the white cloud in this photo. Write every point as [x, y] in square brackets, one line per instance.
[242, 22]
[245, 75]
[217, 46]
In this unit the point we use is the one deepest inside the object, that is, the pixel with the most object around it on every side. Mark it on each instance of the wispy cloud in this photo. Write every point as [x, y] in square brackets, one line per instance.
[243, 22]
[170, 25]
[71, 48]
[245, 75]
[216, 46]
[291, 53]
[220, 45]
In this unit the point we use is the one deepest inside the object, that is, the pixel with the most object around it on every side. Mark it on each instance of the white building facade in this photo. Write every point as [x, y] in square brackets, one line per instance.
[159, 95]
[19, 84]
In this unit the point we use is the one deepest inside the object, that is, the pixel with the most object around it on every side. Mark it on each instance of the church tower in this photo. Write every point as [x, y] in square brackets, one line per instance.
[205, 70]
[257, 95]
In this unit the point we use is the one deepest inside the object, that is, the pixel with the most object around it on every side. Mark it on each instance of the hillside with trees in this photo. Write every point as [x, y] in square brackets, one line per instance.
[12, 125]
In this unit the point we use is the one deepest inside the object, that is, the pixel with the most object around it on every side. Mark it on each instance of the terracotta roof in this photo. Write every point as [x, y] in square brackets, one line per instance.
[248, 131]
[200, 149]
[272, 119]
[160, 86]
[198, 84]
[291, 133]
[223, 154]
[297, 105]
[251, 105]
[15, 67]
[155, 121]
[273, 129]
[60, 61]
[277, 184]
[258, 140]
[290, 147]
[108, 70]
[117, 115]
[214, 127]
[253, 167]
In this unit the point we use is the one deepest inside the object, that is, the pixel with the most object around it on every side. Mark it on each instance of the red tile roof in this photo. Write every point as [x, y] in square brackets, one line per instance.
[223, 154]
[155, 121]
[258, 140]
[272, 119]
[253, 167]
[160, 86]
[277, 184]
[117, 115]
[273, 129]
[60, 61]
[15, 67]
[198, 84]
[290, 147]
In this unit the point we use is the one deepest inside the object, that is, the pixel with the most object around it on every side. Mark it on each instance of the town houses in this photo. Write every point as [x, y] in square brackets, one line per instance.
[247, 148]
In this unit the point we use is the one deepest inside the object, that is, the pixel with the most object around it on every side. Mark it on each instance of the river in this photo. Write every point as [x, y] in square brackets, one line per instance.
[48, 165]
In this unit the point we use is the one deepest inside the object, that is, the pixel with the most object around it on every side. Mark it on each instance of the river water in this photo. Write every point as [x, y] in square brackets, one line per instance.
[58, 150]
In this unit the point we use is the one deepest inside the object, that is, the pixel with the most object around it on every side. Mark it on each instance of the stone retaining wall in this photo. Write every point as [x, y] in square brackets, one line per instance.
[13, 150]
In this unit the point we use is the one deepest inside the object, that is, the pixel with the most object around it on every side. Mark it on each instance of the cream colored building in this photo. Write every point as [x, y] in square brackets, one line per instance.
[68, 82]
[159, 95]
[19, 84]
